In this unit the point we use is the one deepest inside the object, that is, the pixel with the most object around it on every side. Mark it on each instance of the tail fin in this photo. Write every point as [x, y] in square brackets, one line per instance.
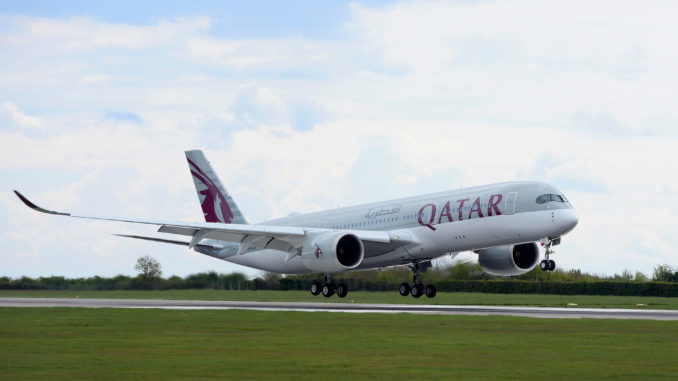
[217, 204]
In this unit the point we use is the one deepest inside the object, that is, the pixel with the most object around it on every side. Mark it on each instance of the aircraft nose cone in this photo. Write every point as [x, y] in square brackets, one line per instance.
[570, 219]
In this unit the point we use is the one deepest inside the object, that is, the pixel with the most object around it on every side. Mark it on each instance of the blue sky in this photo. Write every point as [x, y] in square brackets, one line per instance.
[232, 19]
[303, 106]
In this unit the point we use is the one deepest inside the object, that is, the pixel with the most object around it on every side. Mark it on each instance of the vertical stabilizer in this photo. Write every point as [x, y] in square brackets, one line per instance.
[217, 204]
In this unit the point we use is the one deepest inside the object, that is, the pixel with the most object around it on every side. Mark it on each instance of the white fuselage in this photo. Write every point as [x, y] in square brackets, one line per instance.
[432, 225]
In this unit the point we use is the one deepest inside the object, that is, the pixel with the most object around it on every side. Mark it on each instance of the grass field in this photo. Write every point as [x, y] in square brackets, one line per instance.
[74, 343]
[373, 297]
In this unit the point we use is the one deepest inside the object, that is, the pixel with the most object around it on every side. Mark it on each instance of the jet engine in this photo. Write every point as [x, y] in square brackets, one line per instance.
[509, 260]
[332, 252]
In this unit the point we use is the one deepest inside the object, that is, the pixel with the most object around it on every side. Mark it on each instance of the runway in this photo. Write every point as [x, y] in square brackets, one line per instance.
[535, 312]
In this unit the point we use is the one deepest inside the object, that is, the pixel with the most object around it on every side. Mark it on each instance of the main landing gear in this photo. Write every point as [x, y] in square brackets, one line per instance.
[417, 289]
[328, 288]
[549, 264]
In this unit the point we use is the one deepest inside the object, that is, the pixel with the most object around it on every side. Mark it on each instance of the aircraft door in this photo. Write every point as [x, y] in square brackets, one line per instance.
[510, 207]
[319, 224]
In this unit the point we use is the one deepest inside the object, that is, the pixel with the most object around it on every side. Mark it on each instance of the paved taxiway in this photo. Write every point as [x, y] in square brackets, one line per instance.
[538, 312]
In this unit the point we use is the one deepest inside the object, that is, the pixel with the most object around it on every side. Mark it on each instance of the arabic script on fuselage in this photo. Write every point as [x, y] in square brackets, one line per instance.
[379, 212]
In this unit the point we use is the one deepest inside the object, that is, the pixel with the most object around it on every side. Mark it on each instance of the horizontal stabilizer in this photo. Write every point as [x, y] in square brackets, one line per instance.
[163, 240]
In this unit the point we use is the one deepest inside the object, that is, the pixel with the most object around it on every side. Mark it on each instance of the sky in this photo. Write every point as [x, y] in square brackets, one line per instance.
[304, 106]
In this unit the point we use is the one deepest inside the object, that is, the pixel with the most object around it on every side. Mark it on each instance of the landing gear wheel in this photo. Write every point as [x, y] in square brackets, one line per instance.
[552, 265]
[315, 287]
[404, 289]
[328, 290]
[342, 290]
[430, 291]
[417, 291]
[544, 265]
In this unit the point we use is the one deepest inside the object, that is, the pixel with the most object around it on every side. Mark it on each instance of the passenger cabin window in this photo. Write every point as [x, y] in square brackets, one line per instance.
[544, 198]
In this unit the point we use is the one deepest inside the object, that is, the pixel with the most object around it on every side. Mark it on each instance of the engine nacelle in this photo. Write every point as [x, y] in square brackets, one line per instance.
[509, 260]
[332, 252]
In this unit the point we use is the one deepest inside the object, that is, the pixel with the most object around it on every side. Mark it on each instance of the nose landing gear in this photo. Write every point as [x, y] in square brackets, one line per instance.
[417, 289]
[549, 264]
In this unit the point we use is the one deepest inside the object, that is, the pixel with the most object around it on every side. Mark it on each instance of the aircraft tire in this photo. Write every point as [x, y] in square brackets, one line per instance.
[342, 290]
[430, 291]
[316, 288]
[404, 289]
[417, 290]
[544, 265]
[328, 290]
[552, 265]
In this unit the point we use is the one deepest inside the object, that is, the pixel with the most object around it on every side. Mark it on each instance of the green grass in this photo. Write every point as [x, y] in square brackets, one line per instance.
[74, 343]
[374, 297]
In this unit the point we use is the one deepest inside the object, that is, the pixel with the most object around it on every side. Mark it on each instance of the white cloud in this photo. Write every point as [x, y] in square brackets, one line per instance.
[528, 60]
[83, 33]
[283, 54]
[11, 115]
[94, 78]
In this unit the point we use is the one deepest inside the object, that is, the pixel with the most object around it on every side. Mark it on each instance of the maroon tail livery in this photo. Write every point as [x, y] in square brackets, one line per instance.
[217, 205]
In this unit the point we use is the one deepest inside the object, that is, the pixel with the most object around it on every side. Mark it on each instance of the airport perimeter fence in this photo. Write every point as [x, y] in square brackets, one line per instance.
[239, 282]
[511, 286]
[561, 288]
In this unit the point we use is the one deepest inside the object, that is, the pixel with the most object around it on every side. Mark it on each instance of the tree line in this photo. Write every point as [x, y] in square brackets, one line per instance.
[233, 281]
[463, 277]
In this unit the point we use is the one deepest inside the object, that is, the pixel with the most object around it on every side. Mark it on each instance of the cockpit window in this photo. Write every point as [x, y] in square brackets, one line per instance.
[558, 198]
[544, 198]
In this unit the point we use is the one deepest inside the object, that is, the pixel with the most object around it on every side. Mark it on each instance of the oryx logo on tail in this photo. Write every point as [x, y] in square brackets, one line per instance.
[217, 205]
[214, 204]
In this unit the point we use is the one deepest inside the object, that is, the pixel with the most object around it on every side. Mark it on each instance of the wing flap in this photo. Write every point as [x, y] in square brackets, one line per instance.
[180, 230]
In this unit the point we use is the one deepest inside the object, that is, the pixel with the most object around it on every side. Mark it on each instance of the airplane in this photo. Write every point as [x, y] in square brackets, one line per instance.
[502, 223]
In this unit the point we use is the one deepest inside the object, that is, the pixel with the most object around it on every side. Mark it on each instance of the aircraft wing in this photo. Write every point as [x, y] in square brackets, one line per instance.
[284, 238]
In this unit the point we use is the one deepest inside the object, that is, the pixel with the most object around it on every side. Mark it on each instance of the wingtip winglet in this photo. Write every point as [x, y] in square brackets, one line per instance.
[25, 200]
[31, 205]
